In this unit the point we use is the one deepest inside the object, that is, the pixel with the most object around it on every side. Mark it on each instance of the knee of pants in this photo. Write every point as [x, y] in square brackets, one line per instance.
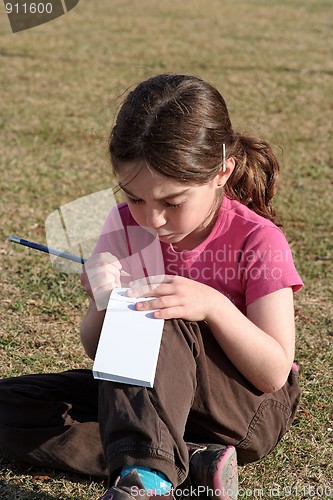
[271, 421]
[268, 426]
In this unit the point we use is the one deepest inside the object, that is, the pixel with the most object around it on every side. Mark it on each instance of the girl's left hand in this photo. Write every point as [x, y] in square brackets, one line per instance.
[173, 297]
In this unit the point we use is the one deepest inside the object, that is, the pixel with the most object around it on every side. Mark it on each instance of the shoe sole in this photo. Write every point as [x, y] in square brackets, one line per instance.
[225, 476]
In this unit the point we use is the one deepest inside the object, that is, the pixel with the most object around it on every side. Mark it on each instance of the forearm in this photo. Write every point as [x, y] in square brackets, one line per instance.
[100, 275]
[90, 329]
[256, 354]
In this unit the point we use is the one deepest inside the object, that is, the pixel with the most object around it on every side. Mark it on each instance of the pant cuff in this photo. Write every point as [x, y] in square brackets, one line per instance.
[144, 456]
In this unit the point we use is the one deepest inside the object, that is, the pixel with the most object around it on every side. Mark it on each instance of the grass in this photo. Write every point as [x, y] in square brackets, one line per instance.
[61, 85]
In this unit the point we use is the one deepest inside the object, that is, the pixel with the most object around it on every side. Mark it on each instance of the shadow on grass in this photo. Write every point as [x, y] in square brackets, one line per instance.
[11, 492]
[14, 474]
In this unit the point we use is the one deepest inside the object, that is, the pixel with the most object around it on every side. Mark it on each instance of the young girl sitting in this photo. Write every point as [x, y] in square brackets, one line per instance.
[197, 235]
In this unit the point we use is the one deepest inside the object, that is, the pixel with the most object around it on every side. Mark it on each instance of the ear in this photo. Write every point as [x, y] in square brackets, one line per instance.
[222, 177]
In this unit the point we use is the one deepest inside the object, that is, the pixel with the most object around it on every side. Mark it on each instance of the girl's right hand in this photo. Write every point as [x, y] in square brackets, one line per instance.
[101, 274]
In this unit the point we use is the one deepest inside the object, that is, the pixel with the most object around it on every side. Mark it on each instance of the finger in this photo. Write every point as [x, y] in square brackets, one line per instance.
[144, 291]
[163, 302]
[152, 280]
[145, 287]
[103, 275]
[104, 282]
[165, 289]
[102, 259]
[169, 313]
[105, 285]
[141, 291]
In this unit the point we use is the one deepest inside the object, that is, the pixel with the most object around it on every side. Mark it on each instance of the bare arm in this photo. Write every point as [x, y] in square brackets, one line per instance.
[262, 344]
[101, 274]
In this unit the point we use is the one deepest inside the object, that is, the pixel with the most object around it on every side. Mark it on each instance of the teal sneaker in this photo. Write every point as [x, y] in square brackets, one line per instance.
[130, 487]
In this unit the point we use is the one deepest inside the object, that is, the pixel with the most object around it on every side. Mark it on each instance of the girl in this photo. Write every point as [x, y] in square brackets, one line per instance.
[225, 367]
[197, 235]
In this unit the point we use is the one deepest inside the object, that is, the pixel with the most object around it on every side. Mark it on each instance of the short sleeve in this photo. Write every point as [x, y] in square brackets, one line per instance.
[267, 264]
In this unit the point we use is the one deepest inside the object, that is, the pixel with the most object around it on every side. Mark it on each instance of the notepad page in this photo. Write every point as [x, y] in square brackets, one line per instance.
[129, 343]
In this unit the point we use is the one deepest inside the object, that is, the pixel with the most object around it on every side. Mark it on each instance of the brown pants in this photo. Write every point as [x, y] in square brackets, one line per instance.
[73, 422]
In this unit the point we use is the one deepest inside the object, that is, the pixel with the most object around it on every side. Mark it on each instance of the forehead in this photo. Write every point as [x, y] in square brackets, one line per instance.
[135, 177]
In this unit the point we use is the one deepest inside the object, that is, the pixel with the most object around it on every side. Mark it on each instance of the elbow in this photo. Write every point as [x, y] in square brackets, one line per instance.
[270, 389]
[273, 385]
[274, 379]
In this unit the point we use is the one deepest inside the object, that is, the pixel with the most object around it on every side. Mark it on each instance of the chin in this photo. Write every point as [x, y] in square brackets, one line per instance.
[167, 237]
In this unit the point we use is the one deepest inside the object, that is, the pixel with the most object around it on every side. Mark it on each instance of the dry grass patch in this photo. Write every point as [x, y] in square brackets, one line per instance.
[61, 85]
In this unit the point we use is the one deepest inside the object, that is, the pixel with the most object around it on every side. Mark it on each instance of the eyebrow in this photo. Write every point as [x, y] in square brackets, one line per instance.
[171, 195]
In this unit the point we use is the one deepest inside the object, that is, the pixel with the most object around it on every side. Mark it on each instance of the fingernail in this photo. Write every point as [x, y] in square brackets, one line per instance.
[124, 273]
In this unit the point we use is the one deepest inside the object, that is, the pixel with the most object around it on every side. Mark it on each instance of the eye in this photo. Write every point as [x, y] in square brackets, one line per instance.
[170, 205]
[133, 200]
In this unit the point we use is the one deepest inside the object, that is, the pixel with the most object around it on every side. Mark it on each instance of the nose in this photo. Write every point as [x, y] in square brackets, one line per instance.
[155, 218]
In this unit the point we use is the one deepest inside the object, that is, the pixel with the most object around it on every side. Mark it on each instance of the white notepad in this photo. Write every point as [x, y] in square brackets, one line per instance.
[129, 343]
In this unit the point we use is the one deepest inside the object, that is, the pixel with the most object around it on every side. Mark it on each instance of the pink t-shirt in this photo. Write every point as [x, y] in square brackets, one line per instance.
[245, 256]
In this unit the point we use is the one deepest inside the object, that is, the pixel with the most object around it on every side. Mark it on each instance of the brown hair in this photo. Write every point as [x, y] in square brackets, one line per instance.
[177, 124]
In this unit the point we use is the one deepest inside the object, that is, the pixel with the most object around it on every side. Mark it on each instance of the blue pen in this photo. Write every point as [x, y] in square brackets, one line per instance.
[43, 248]
[53, 251]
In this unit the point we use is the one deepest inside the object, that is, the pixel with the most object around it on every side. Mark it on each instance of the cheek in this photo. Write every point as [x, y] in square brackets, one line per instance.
[137, 213]
[183, 220]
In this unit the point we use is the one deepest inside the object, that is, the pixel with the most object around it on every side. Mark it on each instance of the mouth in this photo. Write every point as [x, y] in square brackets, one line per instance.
[166, 236]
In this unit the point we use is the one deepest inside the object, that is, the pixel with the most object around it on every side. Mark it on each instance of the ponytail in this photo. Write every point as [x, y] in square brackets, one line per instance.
[253, 181]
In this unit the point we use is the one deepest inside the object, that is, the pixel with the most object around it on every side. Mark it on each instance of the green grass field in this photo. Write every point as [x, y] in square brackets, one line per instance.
[61, 84]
